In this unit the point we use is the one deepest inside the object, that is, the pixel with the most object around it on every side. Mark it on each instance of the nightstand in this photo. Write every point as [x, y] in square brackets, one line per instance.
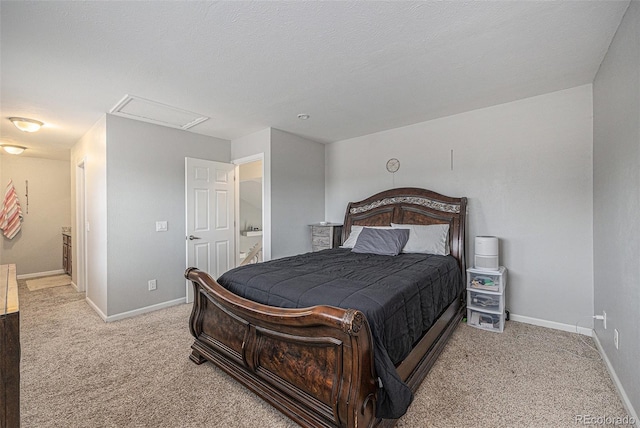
[325, 236]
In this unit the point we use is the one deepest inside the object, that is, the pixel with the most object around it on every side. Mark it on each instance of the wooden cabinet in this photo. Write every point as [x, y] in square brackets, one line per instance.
[9, 348]
[325, 236]
[66, 253]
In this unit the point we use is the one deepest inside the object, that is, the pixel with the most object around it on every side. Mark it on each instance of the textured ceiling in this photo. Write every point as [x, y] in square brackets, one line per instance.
[355, 67]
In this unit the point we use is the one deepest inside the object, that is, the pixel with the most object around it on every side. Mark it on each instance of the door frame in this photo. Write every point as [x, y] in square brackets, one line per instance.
[266, 216]
[79, 264]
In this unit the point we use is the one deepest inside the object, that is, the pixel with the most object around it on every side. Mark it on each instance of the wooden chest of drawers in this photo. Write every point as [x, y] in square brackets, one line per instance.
[66, 253]
[325, 236]
[9, 348]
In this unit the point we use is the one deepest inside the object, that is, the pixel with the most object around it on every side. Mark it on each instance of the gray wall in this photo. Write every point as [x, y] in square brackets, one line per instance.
[525, 167]
[38, 246]
[616, 197]
[145, 183]
[297, 192]
[294, 188]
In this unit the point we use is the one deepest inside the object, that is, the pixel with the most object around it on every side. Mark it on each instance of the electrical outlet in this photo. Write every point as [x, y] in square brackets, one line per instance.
[152, 284]
[616, 338]
[604, 319]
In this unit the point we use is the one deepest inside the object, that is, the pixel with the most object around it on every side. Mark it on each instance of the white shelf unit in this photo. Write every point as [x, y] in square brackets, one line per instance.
[486, 298]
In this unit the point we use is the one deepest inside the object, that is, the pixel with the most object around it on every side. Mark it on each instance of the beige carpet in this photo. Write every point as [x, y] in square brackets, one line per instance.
[48, 282]
[78, 371]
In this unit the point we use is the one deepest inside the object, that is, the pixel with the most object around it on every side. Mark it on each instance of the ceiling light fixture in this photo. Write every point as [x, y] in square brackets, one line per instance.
[26, 125]
[12, 149]
[303, 116]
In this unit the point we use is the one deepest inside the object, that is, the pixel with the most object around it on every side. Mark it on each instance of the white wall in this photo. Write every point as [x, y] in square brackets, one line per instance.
[145, 184]
[250, 215]
[1, 250]
[250, 201]
[616, 177]
[38, 246]
[297, 192]
[525, 167]
[92, 149]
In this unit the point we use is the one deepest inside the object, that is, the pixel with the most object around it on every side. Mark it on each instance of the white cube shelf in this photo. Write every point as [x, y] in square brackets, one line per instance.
[487, 280]
[486, 320]
[486, 298]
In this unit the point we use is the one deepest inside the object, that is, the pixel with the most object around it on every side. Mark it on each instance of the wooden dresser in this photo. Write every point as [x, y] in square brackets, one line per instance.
[66, 253]
[9, 348]
[325, 236]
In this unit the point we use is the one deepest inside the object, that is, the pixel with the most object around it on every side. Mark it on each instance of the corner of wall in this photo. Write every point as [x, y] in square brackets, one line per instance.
[616, 381]
[616, 176]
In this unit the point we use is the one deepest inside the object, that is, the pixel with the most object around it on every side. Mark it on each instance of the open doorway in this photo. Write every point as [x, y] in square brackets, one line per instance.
[250, 212]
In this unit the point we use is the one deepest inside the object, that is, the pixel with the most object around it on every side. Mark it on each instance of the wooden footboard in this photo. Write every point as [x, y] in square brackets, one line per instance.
[313, 364]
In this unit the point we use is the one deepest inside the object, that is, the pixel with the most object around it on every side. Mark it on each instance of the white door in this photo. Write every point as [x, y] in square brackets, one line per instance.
[210, 203]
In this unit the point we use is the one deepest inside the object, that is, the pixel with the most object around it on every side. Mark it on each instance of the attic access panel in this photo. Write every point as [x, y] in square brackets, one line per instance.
[133, 107]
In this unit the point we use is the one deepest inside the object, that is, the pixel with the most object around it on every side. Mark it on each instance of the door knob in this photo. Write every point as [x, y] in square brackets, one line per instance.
[191, 237]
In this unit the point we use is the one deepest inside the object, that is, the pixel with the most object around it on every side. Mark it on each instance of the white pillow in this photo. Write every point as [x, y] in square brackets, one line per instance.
[426, 239]
[355, 232]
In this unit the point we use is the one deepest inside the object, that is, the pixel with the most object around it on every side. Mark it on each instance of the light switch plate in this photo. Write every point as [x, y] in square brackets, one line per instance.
[161, 226]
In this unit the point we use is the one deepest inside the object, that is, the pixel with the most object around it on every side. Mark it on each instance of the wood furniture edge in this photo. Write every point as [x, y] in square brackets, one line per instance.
[10, 348]
[8, 289]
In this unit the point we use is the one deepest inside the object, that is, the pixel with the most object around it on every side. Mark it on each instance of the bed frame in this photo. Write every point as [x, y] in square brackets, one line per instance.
[316, 364]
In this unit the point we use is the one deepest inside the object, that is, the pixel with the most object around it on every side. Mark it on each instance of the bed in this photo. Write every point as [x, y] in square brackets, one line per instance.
[320, 364]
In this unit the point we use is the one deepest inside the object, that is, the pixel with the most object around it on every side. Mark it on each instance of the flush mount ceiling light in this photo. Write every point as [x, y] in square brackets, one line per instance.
[303, 116]
[12, 149]
[26, 125]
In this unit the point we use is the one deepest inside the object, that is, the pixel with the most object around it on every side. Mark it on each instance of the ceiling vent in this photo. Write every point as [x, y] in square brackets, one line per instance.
[137, 108]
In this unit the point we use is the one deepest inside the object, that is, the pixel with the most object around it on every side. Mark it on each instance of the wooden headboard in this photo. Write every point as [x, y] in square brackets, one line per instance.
[410, 205]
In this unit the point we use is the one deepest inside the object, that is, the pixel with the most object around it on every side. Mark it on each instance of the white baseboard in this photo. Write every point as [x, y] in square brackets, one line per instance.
[614, 377]
[587, 332]
[144, 310]
[551, 324]
[135, 312]
[96, 308]
[73, 284]
[37, 274]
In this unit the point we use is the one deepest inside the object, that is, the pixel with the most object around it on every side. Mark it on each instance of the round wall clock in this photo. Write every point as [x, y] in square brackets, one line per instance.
[393, 165]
